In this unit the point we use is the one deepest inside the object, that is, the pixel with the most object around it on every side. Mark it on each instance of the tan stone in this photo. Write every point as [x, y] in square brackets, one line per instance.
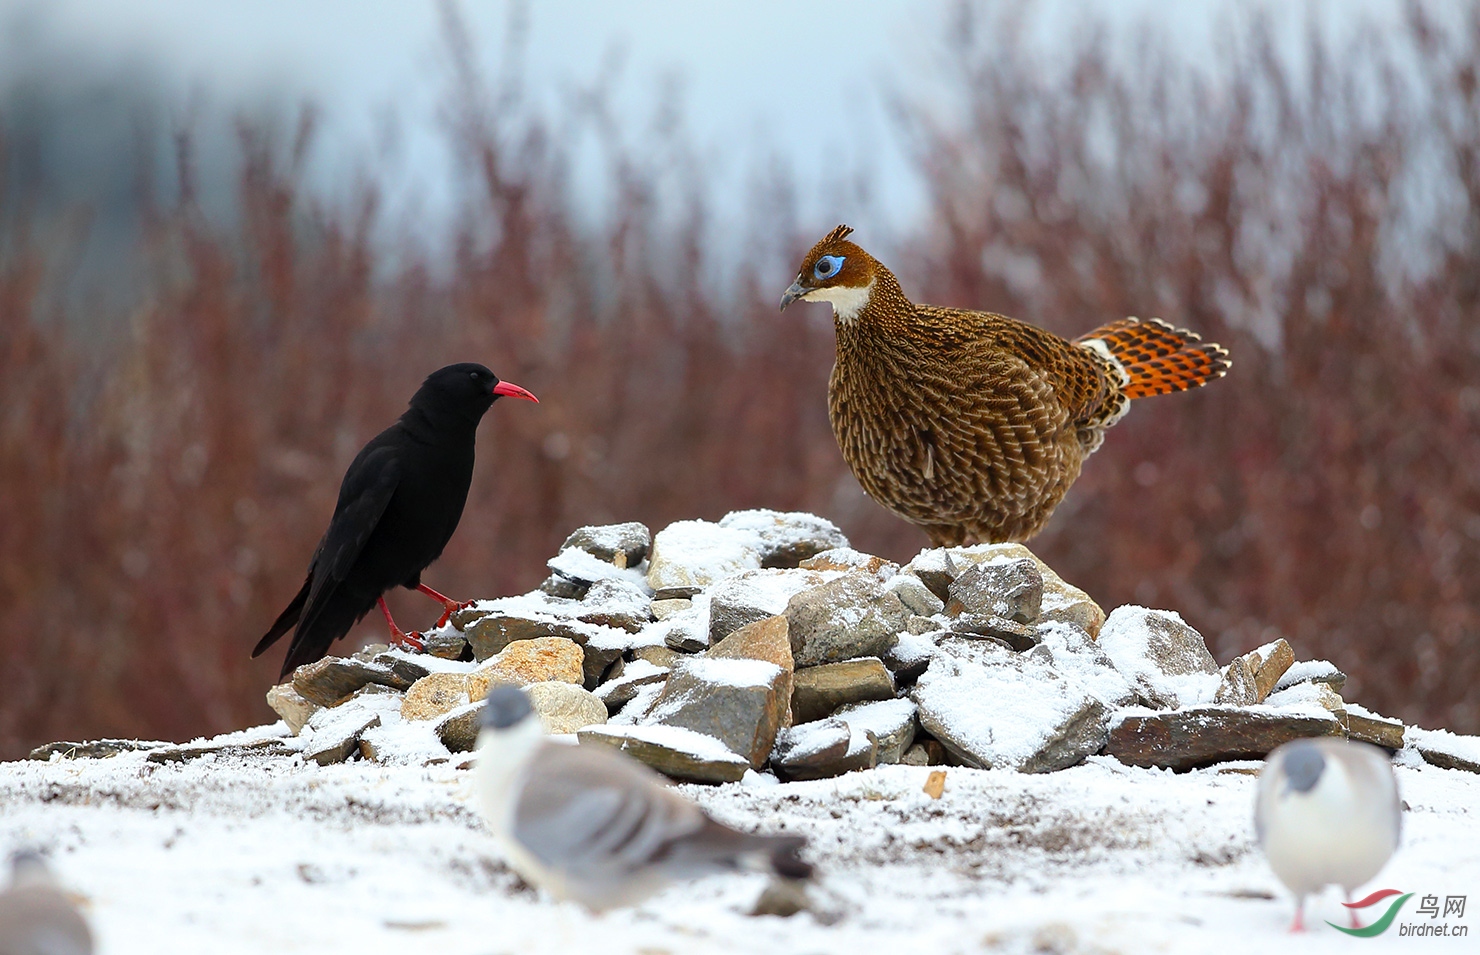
[767, 640]
[565, 707]
[1274, 659]
[529, 661]
[935, 784]
[291, 706]
[1238, 687]
[435, 694]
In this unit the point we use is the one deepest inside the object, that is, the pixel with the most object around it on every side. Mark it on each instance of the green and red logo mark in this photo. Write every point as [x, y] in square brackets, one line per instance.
[1382, 924]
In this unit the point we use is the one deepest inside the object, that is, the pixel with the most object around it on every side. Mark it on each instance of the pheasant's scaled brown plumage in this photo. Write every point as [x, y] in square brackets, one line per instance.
[971, 424]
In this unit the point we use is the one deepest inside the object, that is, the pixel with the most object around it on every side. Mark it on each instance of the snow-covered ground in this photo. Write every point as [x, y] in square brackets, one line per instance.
[269, 854]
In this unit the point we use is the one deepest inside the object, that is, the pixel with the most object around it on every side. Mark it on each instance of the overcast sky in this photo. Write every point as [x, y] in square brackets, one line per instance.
[800, 80]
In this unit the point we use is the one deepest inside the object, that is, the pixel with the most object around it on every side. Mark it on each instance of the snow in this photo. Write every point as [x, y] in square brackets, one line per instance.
[1130, 637]
[249, 855]
[1076, 657]
[1305, 671]
[1443, 741]
[883, 717]
[580, 565]
[767, 590]
[698, 553]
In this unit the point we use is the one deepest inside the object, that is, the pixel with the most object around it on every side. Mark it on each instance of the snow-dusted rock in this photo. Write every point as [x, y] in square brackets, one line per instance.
[823, 749]
[1010, 587]
[332, 734]
[753, 595]
[1236, 687]
[892, 723]
[846, 558]
[1165, 658]
[785, 539]
[913, 593]
[676, 752]
[565, 707]
[291, 706]
[435, 694]
[622, 545]
[688, 556]
[1061, 602]
[1312, 671]
[329, 681]
[1252, 676]
[529, 661]
[616, 603]
[766, 640]
[1074, 656]
[617, 693]
[851, 616]
[911, 653]
[585, 569]
[1447, 750]
[993, 708]
[1196, 736]
[1365, 726]
[663, 609]
[820, 690]
[738, 702]
[458, 729]
[1017, 636]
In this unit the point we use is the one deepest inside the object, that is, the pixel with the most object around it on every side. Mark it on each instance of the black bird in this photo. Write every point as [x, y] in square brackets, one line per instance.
[398, 505]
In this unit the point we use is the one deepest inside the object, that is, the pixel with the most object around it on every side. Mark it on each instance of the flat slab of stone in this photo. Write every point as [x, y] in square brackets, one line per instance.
[331, 735]
[186, 753]
[818, 691]
[673, 751]
[822, 750]
[1202, 735]
[1365, 726]
[993, 708]
[332, 680]
[1311, 671]
[458, 729]
[1448, 750]
[94, 749]
[695, 554]
[615, 694]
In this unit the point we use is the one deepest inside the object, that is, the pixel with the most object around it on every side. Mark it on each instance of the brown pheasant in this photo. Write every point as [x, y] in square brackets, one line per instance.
[969, 424]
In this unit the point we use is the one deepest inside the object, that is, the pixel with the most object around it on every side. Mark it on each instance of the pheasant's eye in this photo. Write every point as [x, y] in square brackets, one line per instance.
[828, 266]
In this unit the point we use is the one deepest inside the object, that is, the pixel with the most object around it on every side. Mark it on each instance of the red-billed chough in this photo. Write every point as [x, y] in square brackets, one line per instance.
[398, 505]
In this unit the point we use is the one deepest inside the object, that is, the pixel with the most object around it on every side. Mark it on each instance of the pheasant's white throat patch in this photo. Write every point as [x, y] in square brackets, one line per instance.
[846, 301]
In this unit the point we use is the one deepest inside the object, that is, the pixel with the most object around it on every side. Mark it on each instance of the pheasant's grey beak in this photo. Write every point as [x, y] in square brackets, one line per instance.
[796, 291]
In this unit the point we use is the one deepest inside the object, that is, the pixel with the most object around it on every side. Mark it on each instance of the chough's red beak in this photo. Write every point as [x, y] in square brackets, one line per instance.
[510, 390]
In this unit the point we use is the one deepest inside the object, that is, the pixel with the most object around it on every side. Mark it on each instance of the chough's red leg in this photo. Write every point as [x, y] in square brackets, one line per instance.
[449, 606]
[399, 637]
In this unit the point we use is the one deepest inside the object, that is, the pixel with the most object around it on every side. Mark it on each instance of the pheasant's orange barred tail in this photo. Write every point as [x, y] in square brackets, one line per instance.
[1157, 358]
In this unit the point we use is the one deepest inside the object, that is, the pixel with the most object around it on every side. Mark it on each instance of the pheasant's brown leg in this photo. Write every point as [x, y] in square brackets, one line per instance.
[449, 606]
[399, 637]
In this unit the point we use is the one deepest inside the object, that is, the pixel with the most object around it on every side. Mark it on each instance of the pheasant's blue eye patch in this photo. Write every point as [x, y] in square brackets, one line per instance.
[828, 266]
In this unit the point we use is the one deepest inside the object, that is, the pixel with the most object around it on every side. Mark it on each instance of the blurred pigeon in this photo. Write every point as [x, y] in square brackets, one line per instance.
[595, 826]
[36, 917]
[398, 505]
[1327, 812]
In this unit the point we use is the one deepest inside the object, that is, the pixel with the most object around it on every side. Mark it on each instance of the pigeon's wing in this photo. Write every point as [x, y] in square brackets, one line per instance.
[42, 921]
[366, 491]
[593, 814]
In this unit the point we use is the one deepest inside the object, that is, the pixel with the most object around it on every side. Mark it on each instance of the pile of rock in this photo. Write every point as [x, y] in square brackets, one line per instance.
[764, 643]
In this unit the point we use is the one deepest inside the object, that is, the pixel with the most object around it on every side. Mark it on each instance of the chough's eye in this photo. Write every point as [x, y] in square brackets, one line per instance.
[828, 266]
[474, 375]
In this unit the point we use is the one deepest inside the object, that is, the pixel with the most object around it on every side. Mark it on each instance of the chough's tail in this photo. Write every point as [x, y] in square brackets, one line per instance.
[1158, 358]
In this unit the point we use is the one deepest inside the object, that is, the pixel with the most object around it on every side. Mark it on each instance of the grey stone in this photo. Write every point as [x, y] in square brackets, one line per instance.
[753, 595]
[846, 559]
[992, 708]
[1311, 671]
[619, 692]
[332, 680]
[684, 635]
[818, 691]
[851, 616]
[783, 898]
[1197, 736]
[927, 752]
[677, 753]
[1011, 588]
[1018, 636]
[187, 752]
[786, 538]
[335, 734]
[821, 750]
[910, 655]
[913, 593]
[1165, 658]
[585, 568]
[622, 545]
[891, 722]
[676, 593]
[490, 634]
[447, 643]
[1237, 687]
[621, 604]
[95, 749]
[1074, 655]
[738, 702]
[1448, 750]
[559, 585]
[458, 730]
